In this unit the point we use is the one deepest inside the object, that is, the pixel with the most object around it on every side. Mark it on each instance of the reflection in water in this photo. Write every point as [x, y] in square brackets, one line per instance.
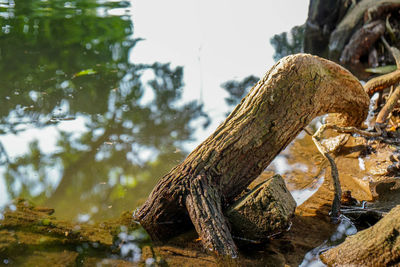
[116, 126]
[300, 196]
[344, 229]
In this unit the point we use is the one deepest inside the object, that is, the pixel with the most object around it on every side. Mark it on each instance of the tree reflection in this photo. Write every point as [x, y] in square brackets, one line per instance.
[67, 60]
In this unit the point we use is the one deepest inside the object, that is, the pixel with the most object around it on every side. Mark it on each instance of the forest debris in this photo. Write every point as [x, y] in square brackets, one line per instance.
[361, 42]
[380, 10]
[317, 138]
[379, 83]
[264, 211]
[378, 245]
[334, 144]
[345, 29]
[388, 107]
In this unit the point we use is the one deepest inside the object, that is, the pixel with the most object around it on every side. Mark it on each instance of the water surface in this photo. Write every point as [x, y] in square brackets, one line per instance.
[83, 129]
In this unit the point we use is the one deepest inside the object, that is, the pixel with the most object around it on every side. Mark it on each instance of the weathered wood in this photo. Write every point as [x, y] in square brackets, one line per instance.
[381, 11]
[381, 82]
[263, 212]
[389, 106]
[293, 92]
[361, 42]
[378, 245]
[350, 23]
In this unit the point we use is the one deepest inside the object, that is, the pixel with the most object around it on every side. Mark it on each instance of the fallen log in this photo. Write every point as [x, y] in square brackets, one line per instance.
[295, 90]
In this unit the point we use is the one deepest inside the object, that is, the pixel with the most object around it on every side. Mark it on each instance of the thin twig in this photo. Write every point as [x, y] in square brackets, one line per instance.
[335, 211]
[317, 137]
[388, 107]
[351, 130]
[393, 50]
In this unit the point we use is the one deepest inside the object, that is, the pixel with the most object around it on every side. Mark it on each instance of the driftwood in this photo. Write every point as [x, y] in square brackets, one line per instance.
[378, 245]
[296, 89]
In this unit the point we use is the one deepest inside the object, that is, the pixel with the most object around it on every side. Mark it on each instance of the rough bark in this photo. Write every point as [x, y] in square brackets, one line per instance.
[265, 211]
[378, 245]
[293, 92]
[361, 42]
[351, 22]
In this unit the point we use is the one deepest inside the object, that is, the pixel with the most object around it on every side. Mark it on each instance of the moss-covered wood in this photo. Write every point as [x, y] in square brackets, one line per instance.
[293, 92]
[263, 212]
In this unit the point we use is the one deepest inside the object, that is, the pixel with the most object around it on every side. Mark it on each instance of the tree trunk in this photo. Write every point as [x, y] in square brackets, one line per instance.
[293, 92]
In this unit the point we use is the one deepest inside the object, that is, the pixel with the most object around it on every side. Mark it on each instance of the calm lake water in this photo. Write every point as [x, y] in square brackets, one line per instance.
[84, 128]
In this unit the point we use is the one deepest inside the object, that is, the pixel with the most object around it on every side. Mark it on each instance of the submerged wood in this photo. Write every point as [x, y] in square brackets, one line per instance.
[295, 90]
[378, 245]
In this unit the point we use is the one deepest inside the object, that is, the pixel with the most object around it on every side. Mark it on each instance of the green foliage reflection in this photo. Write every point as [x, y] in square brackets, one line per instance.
[62, 61]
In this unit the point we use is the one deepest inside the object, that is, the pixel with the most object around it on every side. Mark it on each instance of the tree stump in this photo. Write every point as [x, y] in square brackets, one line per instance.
[265, 211]
[294, 91]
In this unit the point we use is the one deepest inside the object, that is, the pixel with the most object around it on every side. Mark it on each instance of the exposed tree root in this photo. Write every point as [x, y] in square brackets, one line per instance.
[335, 211]
[296, 90]
[361, 42]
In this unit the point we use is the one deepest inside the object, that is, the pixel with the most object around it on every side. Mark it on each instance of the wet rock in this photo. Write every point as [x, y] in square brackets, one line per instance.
[263, 212]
